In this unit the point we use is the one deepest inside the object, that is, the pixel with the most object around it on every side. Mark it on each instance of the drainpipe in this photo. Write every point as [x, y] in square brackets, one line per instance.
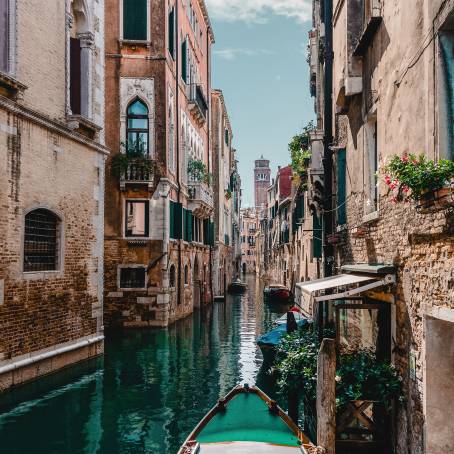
[177, 98]
[328, 139]
[327, 225]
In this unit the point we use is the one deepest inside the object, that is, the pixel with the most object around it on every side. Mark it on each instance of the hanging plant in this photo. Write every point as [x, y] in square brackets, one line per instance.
[132, 154]
[413, 177]
[299, 149]
[197, 171]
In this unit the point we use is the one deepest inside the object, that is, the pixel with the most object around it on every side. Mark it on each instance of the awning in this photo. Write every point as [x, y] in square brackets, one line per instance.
[345, 284]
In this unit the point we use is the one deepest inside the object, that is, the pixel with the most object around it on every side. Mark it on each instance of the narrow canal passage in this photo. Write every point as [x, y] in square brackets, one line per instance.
[150, 389]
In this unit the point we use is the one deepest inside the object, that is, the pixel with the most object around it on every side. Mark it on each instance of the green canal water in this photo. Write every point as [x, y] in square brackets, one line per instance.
[149, 390]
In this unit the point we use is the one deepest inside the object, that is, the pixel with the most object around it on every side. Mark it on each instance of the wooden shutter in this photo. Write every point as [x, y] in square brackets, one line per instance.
[4, 36]
[318, 235]
[341, 186]
[75, 79]
[189, 226]
[206, 232]
[178, 220]
[172, 220]
[135, 20]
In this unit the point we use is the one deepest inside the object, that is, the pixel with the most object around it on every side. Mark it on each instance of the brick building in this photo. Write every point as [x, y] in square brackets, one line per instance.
[391, 90]
[249, 226]
[51, 186]
[159, 198]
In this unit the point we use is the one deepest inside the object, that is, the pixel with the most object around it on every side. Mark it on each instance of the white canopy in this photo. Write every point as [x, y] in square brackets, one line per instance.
[311, 288]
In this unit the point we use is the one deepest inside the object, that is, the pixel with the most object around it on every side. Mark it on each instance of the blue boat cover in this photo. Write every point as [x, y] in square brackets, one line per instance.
[273, 337]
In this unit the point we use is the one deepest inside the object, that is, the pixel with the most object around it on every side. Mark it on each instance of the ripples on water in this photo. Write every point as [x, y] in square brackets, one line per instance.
[149, 391]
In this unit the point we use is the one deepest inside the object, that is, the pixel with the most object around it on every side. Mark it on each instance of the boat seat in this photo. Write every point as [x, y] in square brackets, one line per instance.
[244, 447]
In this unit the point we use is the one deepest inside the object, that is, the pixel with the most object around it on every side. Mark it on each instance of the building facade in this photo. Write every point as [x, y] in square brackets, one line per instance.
[159, 230]
[371, 119]
[52, 186]
[249, 226]
[262, 180]
[226, 195]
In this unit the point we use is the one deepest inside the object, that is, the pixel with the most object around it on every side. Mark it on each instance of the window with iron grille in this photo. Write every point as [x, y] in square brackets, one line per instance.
[133, 277]
[41, 241]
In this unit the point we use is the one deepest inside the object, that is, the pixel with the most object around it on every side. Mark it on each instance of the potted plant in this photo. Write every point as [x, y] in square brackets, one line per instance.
[133, 162]
[417, 178]
[197, 171]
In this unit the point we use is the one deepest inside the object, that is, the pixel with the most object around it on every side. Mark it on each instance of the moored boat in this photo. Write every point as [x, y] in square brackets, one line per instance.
[237, 287]
[245, 421]
[277, 293]
[269, 341]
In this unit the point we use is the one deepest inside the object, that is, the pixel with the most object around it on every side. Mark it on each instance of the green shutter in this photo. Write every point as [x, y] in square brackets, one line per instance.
[135, 20]
[341, 186]
[172, 220]
[171, 26]
[318, 235]
[206, 232]
[189, 226]
[178, 221]
[184, 60]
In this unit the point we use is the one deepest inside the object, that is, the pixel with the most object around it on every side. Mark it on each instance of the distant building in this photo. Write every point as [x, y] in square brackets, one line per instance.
[249, 225]
[262, 180]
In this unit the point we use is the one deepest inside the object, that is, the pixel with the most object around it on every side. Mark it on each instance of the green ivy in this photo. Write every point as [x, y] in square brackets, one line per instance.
[197, 171]
[359, 376]
[299, 149]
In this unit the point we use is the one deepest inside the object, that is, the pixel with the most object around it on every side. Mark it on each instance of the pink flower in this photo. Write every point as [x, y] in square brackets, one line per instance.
[414, 161]
[392, 186]
[388, 180]
[405, 188]
[393, 199]
[405, 158]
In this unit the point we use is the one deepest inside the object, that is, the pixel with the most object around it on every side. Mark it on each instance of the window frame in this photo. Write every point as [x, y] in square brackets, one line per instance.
[59, 250]
[147, 218]
[138, 131]
[172, 287]
[148, 26]
[130, 289]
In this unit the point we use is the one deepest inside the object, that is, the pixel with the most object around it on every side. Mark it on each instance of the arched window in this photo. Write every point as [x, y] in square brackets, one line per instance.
[172, 276]
[41, 241]
[137, 128]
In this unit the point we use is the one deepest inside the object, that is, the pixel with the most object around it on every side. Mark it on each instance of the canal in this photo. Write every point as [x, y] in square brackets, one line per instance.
[149, 390]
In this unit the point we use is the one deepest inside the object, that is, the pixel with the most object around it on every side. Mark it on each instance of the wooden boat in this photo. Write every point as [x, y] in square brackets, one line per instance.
[237, 287]
[246, 421]
[277, 293]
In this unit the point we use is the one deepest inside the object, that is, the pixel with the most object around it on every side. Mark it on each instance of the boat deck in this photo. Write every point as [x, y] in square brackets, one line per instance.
[248, 448]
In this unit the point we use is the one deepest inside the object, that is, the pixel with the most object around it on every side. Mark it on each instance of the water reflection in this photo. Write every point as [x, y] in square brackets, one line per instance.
[153, 388]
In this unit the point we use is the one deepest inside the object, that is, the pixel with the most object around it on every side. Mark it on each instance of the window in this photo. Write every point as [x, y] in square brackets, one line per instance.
[371, 167]
[187, 231]
[75, 76]
[41, 241]
[186, 275]
[135, 20]
[446, 111]
[341, 186]
[133, 277]
[137, 127]
[171, 26]
[172, 276]
[137, 218]
[4, 35]
[184, 60]
[226, 136]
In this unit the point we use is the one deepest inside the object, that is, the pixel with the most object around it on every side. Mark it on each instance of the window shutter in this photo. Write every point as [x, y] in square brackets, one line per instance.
[172, 220]
[178, 219]
[211, 233]
[189, 225]
[206, 232]
[135, 20]
[318, 234]
[341, 186]
[4, 36]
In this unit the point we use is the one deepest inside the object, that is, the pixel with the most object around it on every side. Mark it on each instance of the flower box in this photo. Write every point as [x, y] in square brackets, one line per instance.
[434, 201]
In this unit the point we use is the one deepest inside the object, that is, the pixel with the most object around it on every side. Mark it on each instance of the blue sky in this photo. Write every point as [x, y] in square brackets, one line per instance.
[259, 62]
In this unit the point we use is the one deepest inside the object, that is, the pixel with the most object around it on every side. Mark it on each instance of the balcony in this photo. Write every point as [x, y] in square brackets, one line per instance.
[200, 199]
[197, 103]
[372, 19]
[138, 173]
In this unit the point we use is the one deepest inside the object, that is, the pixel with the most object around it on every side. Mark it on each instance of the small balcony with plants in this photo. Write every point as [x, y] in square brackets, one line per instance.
[198, 104]
[200, 193]
[133, 166]
[427, 184]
